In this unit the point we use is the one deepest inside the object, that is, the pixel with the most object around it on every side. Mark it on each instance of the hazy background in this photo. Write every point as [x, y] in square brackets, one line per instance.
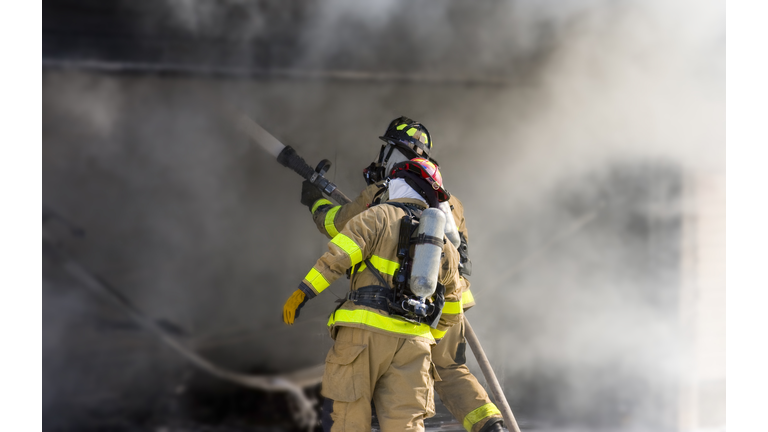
[576, 134]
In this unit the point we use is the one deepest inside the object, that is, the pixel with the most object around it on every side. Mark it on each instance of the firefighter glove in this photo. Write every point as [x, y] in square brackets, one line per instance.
[293, 306]
[309, 194]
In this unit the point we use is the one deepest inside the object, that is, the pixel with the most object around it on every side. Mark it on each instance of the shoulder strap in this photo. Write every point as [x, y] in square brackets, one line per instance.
[409, 209]
[376, 273]
[377, 196]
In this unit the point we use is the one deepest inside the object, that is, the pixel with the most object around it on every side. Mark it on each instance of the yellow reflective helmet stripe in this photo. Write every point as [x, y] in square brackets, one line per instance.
[411, 131]
[316, 280]
[318, 203]
[475, 416]
[350, 247]
[329, 217]
[437, 334]
[402, 126]
[372, 319]
[383, 265]
[467, 297]
[452, 307]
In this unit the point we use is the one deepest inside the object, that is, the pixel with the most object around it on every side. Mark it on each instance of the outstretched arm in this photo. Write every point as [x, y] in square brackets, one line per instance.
[331, 219]
[346, 249]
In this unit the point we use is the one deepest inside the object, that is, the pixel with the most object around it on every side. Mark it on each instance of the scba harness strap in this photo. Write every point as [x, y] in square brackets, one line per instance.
[373, 296]
[396, 300]
[381, 298]
[425, 239]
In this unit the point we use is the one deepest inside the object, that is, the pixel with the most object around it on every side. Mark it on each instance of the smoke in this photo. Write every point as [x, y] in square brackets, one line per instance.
[609, 107]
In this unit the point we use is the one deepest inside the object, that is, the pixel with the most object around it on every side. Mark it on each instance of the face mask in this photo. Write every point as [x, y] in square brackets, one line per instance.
[378, 170]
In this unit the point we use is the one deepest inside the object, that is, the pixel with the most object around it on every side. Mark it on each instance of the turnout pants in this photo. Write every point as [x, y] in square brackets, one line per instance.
[459, 390]
[396, 373]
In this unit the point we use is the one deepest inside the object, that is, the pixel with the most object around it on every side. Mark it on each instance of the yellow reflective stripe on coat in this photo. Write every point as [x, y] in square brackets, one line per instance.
[319, 203]
[350, 247]
[317, 280]
[452, 307]
[456, 307]
[437, 334]
[329, 217]
[383, 265]
[475, 416]
[372, 319]
[467, 297]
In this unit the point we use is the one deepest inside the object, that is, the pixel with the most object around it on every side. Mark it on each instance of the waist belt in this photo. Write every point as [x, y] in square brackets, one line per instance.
[381, 298]
[372, 296]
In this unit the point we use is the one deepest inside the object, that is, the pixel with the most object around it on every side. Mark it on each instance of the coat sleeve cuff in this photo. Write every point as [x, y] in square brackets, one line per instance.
[307, 291]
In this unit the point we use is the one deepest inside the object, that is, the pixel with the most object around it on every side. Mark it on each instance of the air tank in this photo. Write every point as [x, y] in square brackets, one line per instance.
[426, 257]
[451, 231]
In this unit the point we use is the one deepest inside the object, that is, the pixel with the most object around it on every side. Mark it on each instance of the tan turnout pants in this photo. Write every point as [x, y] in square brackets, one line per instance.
[459, 390]
[396, 373]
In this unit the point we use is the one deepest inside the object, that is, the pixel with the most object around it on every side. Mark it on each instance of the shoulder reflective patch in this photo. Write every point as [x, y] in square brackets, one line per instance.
[467, 297]
[372, 319]
[452, 308]
[475, 416]
[319, 203]
[383, 265]
[316, 280]
[437, 334]
[329, 217]
[350, 247]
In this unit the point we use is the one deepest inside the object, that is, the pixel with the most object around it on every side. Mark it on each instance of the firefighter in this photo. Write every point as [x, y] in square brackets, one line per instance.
[459, 390]
[382, 349]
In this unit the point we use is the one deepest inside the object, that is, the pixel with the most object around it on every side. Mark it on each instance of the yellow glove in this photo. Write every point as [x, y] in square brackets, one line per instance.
[293, 305]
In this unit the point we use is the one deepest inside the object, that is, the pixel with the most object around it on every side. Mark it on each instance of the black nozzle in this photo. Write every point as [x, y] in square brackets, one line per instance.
[289, 158]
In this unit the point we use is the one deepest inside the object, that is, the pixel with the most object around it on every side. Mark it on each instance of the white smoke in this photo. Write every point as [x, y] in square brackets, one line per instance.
[197, 219]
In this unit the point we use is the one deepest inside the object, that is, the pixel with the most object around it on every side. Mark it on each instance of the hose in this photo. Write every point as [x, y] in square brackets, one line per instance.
[292, 383]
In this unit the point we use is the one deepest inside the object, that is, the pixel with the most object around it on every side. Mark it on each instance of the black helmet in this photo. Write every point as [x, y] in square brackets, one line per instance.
[409, 135]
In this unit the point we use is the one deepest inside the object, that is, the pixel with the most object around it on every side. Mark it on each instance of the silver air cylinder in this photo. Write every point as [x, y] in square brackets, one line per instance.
[426, 257]
[451, 232]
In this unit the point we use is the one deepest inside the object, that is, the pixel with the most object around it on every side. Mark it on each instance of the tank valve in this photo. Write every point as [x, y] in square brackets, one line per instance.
[417, 305]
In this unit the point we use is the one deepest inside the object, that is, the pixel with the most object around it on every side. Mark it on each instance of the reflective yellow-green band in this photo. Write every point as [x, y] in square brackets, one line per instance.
[383, 265]
[329, 226]
[320, 202]
[452, 308]
[467, 297]
[411, 131]
[475, 416]
[316, 280]
[437, 334]
[402, 126]
[350, 247]
[372, 319]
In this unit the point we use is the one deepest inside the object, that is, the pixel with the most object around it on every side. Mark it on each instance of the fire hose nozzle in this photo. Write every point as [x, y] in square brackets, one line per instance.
[290, 159]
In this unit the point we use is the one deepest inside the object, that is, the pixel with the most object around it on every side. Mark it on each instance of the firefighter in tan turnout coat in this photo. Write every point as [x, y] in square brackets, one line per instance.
[377, 354]
[459, 390]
